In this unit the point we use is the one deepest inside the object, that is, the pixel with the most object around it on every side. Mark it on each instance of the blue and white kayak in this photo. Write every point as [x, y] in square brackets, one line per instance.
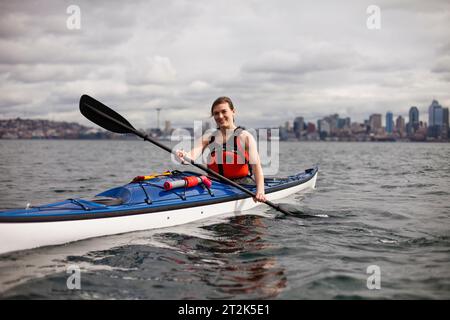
[136, 206]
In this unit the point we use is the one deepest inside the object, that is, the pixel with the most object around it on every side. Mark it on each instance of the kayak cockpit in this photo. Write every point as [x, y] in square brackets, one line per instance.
[107, 201]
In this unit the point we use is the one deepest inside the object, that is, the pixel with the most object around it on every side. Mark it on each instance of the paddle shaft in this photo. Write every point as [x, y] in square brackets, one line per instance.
[202, 167]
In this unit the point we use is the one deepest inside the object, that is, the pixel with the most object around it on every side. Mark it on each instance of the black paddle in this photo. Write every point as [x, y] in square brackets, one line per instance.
[110, 120]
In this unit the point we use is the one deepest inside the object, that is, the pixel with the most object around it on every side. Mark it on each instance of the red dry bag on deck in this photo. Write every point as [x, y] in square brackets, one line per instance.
[187, 182]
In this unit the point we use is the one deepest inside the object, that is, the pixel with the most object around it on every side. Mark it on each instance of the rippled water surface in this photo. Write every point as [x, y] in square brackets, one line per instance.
[382, 204]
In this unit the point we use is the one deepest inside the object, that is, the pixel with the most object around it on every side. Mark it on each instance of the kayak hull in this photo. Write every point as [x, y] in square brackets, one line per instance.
[23, 235]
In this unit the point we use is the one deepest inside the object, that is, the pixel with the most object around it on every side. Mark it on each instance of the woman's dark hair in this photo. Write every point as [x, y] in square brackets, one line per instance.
[221, 100]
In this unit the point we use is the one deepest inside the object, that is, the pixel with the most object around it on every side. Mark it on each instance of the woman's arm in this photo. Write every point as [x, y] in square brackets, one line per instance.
[255, 163]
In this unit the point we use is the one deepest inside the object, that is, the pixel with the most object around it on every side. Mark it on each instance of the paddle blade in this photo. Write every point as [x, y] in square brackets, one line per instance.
[103, 116]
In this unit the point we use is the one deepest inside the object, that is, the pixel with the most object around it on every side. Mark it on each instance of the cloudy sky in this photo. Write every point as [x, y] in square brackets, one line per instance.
[275, 59]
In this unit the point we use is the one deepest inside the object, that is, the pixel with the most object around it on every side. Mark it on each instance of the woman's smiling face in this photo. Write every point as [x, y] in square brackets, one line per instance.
[223, 115]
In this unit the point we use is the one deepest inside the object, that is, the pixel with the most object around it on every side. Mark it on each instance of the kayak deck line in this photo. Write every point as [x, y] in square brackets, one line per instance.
[79, 203]
[63, 222]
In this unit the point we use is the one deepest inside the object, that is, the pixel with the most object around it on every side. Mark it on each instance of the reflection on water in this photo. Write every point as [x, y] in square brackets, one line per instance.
[235, 264]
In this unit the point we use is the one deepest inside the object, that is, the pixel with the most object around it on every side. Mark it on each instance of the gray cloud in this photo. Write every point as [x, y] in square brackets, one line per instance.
[276, 61]
[312, 59]
[442, 65]
[33, 73]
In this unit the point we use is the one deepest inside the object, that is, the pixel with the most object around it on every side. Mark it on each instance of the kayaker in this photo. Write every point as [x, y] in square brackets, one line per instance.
[235, 144]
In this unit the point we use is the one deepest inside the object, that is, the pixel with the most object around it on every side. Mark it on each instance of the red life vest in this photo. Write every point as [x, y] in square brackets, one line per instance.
[234, 163]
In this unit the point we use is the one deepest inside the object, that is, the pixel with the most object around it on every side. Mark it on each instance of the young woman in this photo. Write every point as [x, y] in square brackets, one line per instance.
[233, 151]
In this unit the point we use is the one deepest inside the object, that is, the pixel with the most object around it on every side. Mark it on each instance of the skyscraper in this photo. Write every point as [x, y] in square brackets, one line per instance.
[445, 116]
[324, 128]
[434, 111]
[435, 119]
[298, 126]
[311, 128]
[375, 122]
[413, 123]
[389, 122]
[400, 125]
[445, 132]
[287, 126]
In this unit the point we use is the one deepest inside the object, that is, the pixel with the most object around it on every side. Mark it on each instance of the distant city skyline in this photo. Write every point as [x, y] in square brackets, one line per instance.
[330, 128]
[336, 127]
[423, 115]
[257, 122]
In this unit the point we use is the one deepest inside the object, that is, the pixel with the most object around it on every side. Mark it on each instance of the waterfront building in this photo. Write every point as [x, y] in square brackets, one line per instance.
[324, 128]
[311, 128]
[333, 122]
[445, 116]
[287, 126]
[413, 124]
[343, 123]
[435, 119]
[445, 133]
[348, 122]
[389, 123]
[298, 126]
[375, 122]
[400, 126]
[434, 114]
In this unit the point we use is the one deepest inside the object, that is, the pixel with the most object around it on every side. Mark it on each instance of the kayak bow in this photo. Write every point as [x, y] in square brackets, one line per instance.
[139, 205]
